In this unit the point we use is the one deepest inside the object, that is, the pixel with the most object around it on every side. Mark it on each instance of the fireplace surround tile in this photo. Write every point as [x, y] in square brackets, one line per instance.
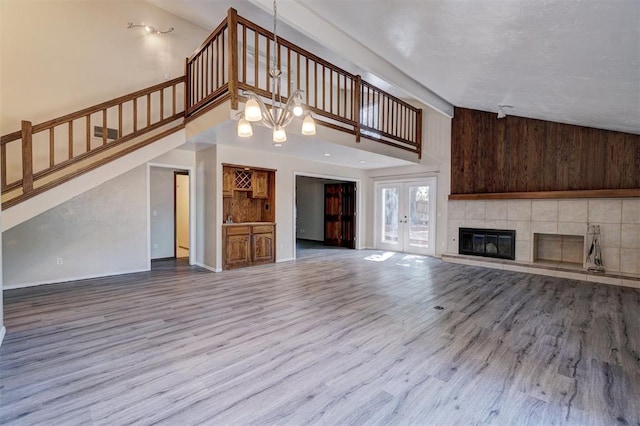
[605, 280]
[572, 228]
[610, 234]
[631, 211]
[496, 210]
[630, 236]
[523, 250]
[611, 258]
[519, 210]
[573, 210]
[456, 209]
[475, 210]
[630, 261]
[544, 210]
[631, 283]
[619, 221]
[522, 228]
[496, 224]
[544, 227]
[605, 211]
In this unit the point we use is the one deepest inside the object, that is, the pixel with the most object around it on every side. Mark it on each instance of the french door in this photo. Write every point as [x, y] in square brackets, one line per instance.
[405, 216]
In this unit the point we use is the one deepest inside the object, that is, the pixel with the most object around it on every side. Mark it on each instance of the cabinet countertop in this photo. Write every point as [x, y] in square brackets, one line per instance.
[248, 223]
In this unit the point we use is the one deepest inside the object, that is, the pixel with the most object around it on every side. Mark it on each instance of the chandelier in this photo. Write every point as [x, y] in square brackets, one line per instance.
[278, 116]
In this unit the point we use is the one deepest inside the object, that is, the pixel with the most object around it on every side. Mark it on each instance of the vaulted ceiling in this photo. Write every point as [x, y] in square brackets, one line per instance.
[569, 61]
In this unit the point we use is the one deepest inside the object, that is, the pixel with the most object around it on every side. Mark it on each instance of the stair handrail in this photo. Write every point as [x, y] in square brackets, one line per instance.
[166, 115]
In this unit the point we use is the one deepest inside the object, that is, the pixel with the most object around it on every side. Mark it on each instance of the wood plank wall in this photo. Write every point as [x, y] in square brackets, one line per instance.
[516, 154]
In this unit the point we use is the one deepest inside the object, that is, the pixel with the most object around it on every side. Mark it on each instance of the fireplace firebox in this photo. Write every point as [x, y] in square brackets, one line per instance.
[498, 243]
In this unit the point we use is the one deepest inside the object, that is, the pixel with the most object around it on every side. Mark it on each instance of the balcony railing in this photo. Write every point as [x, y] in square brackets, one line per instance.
[237, 56]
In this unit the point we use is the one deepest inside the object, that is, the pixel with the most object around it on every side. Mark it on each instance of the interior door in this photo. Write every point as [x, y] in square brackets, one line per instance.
[340, 214]
[405, 216]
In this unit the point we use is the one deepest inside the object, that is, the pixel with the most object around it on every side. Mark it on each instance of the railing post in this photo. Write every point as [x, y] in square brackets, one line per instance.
[232, 27]
[357, 107]
[419, 133]
[187, 88]
[27, 157]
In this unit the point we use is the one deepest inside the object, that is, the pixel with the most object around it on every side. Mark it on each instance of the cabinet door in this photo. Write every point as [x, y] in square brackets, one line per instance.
[260, 184]
[263, 245]
[238, 251]
[228, 178]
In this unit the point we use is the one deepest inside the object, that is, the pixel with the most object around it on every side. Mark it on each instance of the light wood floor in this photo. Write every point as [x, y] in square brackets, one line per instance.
[342, 338]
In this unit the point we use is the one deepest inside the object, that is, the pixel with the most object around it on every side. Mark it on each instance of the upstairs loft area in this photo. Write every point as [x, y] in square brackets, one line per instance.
[233, 59]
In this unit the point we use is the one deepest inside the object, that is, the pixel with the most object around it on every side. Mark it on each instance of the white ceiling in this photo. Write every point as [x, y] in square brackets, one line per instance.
[560, 60]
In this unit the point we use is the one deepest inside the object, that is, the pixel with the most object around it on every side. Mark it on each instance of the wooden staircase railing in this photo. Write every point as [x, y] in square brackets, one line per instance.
[57, 150]
[237, 56]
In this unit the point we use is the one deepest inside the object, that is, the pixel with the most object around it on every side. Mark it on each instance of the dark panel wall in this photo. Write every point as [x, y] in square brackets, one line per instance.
[516, 154]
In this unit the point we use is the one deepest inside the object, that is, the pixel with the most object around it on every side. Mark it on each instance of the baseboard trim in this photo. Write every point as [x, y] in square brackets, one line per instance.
[210, 268]
[3, 332]
[288, 259]
[66, 280]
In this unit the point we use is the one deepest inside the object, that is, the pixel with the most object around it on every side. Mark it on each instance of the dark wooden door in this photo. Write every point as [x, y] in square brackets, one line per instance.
[340, 214]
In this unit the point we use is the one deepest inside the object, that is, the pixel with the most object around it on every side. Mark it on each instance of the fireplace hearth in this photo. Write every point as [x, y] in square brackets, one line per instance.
[497, 243]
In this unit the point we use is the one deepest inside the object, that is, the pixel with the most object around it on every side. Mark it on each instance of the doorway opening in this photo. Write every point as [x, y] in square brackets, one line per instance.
[169, 209]
[181, 213]
[405, 216]
[325, 215]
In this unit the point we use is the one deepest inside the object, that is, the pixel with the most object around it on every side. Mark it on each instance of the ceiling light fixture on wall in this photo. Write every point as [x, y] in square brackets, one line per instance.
[501, 112]
[148, 28]
[279, 116]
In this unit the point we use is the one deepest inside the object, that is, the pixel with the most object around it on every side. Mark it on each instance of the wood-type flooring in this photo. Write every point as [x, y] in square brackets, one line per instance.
[343, 338]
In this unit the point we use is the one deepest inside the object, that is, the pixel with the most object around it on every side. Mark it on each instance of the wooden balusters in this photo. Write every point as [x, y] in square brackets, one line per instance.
[27, 156]
[233, 56]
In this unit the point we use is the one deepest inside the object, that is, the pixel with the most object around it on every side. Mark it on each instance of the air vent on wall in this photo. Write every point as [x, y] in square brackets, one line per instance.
[111, 133]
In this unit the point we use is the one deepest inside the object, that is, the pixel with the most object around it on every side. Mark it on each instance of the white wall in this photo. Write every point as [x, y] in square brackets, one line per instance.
[60, 56]
[101, 232]
[310, 208]
[208, 188]
[162, 215]
[436, 161]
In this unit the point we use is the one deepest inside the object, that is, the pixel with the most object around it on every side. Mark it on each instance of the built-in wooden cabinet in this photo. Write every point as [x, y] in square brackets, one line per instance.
[260, 184]
[228, 177]
[248, 206]
[248, 244]
[237, 246]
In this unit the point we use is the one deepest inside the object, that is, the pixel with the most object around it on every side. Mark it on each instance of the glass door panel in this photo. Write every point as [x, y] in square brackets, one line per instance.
[405, 216]
[391, 219]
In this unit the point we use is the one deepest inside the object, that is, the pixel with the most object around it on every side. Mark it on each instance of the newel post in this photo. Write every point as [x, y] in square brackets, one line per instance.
[232, 26]
[27, 157]
[357, 106]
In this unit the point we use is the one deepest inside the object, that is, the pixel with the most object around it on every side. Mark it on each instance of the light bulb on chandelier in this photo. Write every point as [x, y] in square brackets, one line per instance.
[278, 116]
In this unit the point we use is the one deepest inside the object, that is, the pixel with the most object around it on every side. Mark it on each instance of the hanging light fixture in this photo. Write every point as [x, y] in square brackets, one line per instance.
[278, 116]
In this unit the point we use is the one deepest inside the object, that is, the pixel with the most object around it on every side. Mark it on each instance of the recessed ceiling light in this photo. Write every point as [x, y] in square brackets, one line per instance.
[362, 161]
[326, 154]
